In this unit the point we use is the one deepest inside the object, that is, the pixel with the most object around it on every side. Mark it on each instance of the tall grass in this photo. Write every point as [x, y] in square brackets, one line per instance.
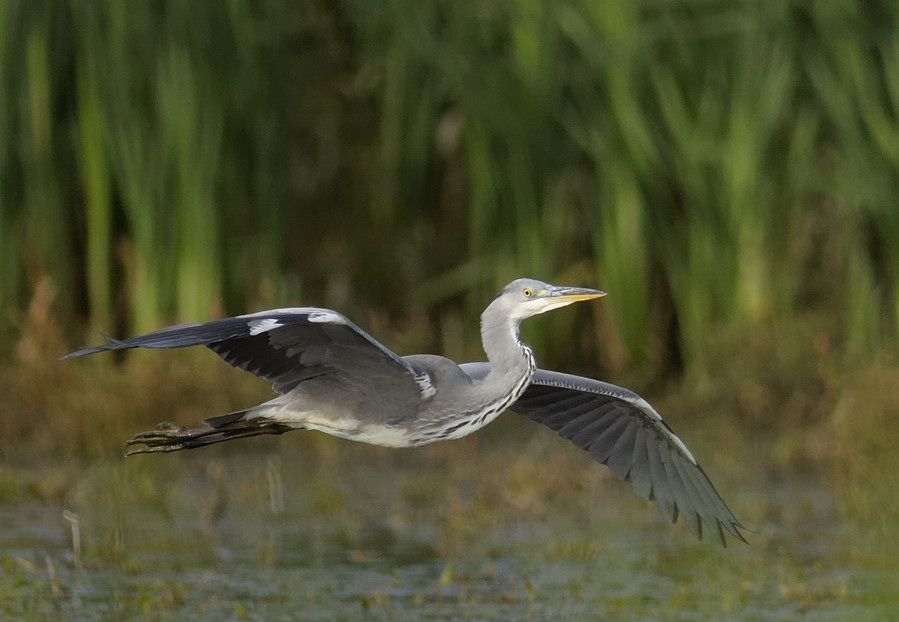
[9, 249]
[711, 165]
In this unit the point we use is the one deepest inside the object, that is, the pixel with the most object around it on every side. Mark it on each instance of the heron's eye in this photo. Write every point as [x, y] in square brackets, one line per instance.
[527, 292]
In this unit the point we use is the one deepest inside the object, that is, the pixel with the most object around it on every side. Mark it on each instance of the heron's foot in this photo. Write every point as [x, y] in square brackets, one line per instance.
[167, 436]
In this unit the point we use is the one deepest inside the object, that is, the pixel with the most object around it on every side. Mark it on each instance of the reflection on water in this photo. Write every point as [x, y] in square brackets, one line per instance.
[355, 532]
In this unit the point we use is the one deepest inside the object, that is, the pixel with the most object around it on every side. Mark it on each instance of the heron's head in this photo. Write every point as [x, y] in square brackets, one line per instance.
[524, 298]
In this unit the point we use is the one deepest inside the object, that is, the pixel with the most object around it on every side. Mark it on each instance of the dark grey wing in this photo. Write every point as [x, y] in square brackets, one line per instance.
[288, 346]
[621, 430]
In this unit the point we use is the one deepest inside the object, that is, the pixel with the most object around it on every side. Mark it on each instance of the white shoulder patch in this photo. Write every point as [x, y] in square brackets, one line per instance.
[314, 315]
[325, 317]
[258, 327]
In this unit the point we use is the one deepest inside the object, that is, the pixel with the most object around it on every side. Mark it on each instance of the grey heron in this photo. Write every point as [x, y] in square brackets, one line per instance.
[334, 377]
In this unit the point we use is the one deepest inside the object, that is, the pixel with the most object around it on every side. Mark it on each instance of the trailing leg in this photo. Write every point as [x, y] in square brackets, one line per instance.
[169, 436]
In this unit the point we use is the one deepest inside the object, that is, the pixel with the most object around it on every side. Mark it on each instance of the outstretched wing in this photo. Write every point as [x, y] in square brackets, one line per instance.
[621, 430]
[287, 347]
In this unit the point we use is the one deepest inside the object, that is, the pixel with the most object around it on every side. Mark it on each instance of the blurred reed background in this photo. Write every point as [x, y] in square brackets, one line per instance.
[728, 171]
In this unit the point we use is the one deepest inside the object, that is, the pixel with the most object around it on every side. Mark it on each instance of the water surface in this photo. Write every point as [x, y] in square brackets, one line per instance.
[284, 529]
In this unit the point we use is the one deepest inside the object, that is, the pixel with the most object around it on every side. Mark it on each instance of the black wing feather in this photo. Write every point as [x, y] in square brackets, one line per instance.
[285, 346]
[619, 429]
[640, 477]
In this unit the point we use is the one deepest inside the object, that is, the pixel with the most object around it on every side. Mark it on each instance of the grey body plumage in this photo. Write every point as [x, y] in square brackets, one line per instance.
[334, 377]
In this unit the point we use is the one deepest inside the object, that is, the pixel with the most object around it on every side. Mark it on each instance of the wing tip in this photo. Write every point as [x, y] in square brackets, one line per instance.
[694, 521]
[113, 344]
[727, 526]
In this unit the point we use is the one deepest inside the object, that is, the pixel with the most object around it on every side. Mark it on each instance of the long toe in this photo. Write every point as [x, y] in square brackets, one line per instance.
[166, 437]
[152, 448]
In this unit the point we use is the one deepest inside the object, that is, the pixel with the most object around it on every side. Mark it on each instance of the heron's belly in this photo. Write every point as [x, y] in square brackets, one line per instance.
[341, 421]
[439, 422]
[386, 436]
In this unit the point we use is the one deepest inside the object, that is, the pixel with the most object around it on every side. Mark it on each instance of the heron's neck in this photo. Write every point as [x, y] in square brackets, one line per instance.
[511, 361]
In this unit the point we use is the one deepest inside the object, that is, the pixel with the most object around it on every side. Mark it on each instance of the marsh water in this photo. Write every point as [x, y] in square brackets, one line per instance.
[509, 525]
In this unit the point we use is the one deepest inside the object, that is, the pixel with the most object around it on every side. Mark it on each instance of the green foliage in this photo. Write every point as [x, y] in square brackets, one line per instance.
[712, 165]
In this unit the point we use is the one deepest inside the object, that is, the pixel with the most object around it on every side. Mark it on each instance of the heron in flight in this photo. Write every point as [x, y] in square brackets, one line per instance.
[334, 377]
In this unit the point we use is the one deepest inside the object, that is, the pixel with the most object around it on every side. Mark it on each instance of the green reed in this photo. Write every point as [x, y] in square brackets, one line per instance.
[9, 255]
[712, 165]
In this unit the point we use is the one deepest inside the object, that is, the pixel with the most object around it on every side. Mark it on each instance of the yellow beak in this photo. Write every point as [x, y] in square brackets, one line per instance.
[563, 296]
